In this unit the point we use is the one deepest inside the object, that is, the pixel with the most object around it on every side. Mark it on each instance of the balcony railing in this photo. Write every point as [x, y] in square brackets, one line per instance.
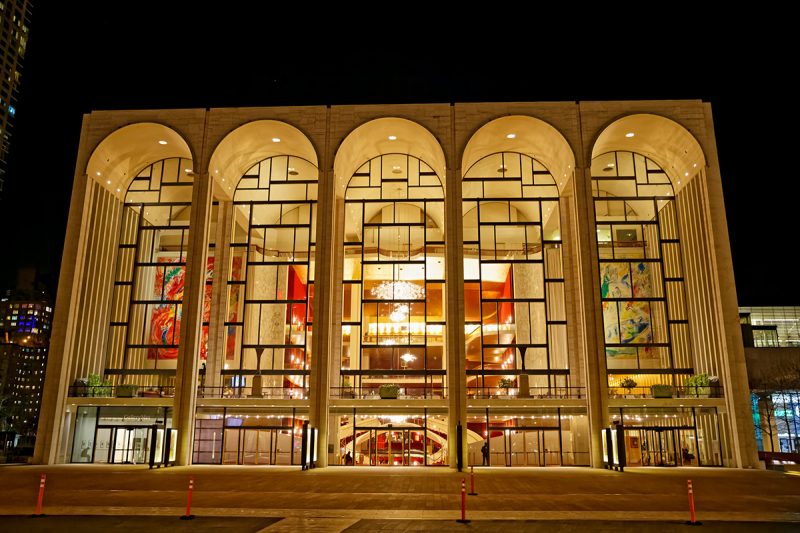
[270, 393]
[534, 393]
[121, 391]
[667, 391]
[372, 392]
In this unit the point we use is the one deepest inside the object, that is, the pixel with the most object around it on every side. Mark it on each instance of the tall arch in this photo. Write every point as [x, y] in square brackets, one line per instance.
[117, 159]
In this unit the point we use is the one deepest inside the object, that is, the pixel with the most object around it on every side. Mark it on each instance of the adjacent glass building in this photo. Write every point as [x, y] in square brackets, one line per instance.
[432, 285]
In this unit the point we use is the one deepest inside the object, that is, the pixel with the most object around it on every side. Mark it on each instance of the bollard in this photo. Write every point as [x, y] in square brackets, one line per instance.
[188, 515]
[40, 499]
[463, 503]
[693, 519]
[472, 481]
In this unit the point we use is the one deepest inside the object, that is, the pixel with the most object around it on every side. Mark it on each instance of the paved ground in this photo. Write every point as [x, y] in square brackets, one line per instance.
[362, 498]
[158, 524]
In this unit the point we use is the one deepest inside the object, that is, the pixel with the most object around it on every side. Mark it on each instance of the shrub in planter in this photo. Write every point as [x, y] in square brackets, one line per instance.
[389, 390]
[698, 386]
[661, 391]
[628, 383]
[81, 387]
[127, 391]
[98, 387]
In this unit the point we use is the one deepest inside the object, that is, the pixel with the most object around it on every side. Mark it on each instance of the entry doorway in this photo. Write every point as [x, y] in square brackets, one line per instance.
[381, 446]
[525, 447]
[661, 446]
[122, 444]
[259, 446]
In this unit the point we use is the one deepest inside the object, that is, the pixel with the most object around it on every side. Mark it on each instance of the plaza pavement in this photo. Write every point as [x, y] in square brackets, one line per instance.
[364, 498]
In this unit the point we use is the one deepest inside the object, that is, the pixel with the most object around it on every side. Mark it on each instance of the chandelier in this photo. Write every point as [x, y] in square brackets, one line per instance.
[398, 290]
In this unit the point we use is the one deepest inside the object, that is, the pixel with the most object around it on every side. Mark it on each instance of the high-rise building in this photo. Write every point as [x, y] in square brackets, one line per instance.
[14, 28]
[25, 322]
[438, 284]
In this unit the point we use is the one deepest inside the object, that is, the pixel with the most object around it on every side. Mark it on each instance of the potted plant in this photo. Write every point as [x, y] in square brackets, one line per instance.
[628, 383]
[80, 387]
[698, 386]
[661, 391]
[347, 388]
[389, 391]
[127, 390]
[505, 384]
[98, 387]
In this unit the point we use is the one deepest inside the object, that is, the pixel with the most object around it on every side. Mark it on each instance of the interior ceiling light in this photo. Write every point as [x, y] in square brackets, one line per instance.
[695, 165]
[629, 134]
[685, 173]
[187, 170]
[502, 169]
[511, 136]
[396, 169]
[108, 181]
[610, 165]
[276, 139]
[293, 171]
[98, 172]
[162, 142]
[392, 137]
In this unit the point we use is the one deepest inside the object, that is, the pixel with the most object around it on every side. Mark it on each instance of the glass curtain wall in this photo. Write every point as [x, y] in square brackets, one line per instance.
[393, 310]
[268, 327]
[516, 339]
[642, 291]
[149, 280]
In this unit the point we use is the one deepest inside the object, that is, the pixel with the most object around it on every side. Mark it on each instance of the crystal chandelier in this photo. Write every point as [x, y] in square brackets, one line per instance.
[398, 290]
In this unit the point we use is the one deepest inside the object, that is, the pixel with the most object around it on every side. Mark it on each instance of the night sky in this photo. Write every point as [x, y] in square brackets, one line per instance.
[81, 59]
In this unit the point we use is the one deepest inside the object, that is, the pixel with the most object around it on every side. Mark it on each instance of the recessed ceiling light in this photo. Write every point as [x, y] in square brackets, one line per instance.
[511, 136]
[502, 169]
[217, 171]
[610, 165]
[162, 142]
[98, 172]
[629, 134]
[117, 189]
[187, 170]
[679, 182]
[392, 137]
[223, 179]
[276, 139]
[695, 165]
[685, 173]
[293, 172]
[108, 181]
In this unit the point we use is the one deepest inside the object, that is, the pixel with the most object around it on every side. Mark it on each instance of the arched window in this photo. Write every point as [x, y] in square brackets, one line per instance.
[513, 278]
[393, 309]
[645, 323]
[149, 281]
[271, 279]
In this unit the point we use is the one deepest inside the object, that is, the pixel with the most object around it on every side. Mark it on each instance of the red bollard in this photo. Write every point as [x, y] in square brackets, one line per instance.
[463, 503]
[188, 515]
[472, 481]
[40, 499]
[693, 519]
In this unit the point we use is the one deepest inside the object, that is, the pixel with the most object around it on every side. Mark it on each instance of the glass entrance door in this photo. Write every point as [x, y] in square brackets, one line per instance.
[122, 444]
[394, 447]
[258, 446]
[658, 446]
[526, 447]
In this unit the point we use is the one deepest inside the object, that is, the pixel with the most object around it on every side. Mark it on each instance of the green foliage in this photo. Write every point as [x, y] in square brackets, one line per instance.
[698, 380]
[661, 391]
[98, 387]
[506, 383]
[127, 391]
[389, 390]
[628, 383]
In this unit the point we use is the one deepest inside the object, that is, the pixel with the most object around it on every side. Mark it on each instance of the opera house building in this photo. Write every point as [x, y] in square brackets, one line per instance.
[436, 285]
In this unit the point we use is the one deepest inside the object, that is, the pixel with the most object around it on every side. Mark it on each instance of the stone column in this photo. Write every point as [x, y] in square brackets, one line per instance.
[454, 345]
[192, 317]
[217, 339]
[323, 307]
[51, 414]
[588, 297]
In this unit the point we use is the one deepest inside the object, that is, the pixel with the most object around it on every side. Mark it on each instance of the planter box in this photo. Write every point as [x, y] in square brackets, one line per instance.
[662, 391]
[127, 391]
[389, 392]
